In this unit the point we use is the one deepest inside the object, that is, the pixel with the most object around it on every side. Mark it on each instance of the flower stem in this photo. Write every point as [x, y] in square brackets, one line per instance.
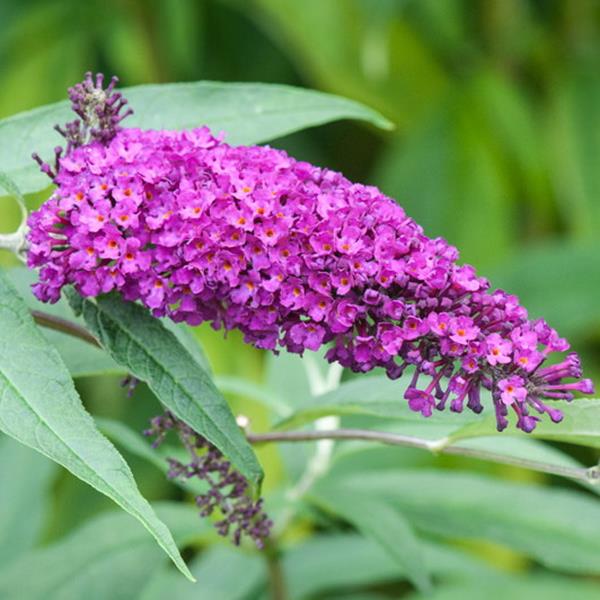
[589, 475]
[276, 575]
[64, 326]
[14, 242]
[319, 462]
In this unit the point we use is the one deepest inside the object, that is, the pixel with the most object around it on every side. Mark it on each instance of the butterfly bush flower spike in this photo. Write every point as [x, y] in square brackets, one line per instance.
[293, 255]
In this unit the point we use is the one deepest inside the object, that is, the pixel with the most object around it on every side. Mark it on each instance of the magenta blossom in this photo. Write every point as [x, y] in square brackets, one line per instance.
[296, 257]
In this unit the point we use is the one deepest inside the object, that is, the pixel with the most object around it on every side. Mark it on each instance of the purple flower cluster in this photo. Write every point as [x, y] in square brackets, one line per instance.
[227, 493]
[294, 256]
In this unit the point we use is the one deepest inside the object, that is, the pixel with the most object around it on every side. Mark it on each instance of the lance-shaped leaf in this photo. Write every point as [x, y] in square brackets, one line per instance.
[153, 354]
[376, 396]
[322, 563]
[25, 499]
[249, 113]
[40, 408]
[82, 359]
[580, 425]
[107, 557]
[382, 523]
[558, 528]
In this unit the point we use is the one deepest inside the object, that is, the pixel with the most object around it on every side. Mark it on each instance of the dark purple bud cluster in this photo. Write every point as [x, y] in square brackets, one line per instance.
[228, 491]
[99, 112]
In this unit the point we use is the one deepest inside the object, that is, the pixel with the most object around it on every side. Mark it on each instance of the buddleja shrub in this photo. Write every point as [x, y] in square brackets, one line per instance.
[296, 257]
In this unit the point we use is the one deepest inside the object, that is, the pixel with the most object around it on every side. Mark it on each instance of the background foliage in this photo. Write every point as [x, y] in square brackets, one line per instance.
[496, 148]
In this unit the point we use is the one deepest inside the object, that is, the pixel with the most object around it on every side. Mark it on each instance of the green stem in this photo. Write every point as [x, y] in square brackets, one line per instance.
[319, 463]
[276, 575]
[64, 326]
[589, 475]
[14, 242]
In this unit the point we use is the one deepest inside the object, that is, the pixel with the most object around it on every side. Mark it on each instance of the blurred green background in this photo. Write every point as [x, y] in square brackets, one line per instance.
[497, 145]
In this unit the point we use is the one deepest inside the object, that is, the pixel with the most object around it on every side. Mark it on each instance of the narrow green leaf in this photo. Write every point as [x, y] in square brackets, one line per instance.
[376, 396]
[243, 387]
[249, 113]
[530, 587]
[224, 573]
[384, 524]
[559, 528]
[580, 425]
[187, 339]
[8, 185]
[153, 354]
[108, 557]
[81, 358]
[325, 563]
[40, 408]
[25, 498]
[128, 439]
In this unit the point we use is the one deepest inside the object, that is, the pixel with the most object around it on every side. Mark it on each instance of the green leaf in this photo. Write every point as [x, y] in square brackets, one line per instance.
[580, 425]
[224, 573]
[243, 387]
[559, 528]
[286, 377]
[108, 557]
[357, 49]
[249, 113]
[81, 358]
[130, 440]
[516, 450]
[133, 442]
[40, 408]
[324, 563]
[153, 354]
[8, 185]
[25, 498]
[383, 523]
[187, 339]
[376, 396]
[531, 587]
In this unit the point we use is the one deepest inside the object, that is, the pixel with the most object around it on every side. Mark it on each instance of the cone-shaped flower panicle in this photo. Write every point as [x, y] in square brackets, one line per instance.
[295, 256]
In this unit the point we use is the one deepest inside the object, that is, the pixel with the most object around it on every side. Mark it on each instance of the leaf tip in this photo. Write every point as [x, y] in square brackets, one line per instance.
[385, 124]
